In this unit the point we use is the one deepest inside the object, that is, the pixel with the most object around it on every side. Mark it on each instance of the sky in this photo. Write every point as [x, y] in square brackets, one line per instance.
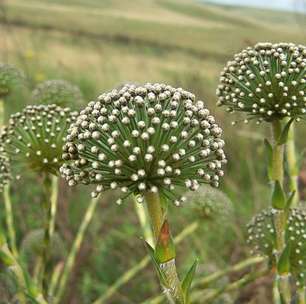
[292, 5]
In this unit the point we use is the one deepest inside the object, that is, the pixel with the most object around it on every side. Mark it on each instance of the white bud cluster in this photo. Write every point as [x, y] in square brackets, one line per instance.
[267, 82]
[4, 172]
[35, 136]
[262, 236]
[144, 138]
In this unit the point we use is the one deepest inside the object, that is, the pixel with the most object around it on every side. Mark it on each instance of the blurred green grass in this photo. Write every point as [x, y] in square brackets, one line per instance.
[99, 45]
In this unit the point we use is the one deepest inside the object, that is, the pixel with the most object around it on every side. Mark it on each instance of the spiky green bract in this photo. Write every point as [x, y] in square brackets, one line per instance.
[10, 77]
[261, 237]
[59, 92]
[144, 138]
[4, 172]
[267, 81]
[35, 136]
[209, 203]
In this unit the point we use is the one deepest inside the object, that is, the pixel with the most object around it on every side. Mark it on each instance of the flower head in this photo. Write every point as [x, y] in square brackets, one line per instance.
[262, 235]
[10, 76]
[4, 172]
[59, 92]
[144, 138]
[35, 136]
[209, 203]
[267, 81]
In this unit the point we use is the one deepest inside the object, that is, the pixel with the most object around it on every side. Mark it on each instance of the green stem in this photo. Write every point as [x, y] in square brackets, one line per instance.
[142, 214]
[9, 219]
[49, 208]
[74, 250]
[292, 165]
[2, 113]
[131, 273]
[279, 217]
[155, 212]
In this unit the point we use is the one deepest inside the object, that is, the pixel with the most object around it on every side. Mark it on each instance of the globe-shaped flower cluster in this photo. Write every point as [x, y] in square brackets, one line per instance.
[10, 76]
[59, 92]
[35, 136]
[144, 138]
[262, 236]
[4, 172]
[267, 82]
[209, 203]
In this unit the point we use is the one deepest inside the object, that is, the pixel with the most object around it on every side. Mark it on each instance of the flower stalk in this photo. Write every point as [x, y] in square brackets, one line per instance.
[280, 216]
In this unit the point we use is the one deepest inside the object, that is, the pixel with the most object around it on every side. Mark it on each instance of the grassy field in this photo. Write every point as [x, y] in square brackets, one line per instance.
[101, 44]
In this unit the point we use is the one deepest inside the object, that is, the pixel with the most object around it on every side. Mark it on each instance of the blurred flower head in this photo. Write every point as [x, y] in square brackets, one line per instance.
[262, 236]
[267, 82]
[10, 77]
[4, 171]
[209, 203]
[59, 92]
[35, 136]
[144, 138]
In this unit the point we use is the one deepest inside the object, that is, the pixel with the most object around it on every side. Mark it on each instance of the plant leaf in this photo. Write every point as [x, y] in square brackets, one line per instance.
[186, 284]
[269, 151]
[284, 136]
[161, 276]
[278, 197]
[283, 265]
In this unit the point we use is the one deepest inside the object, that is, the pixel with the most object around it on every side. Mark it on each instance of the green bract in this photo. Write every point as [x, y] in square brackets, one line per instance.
[261, 236]
[144, 138]
[209, 203]
[59, 92]
[4, 172]
[35, 136]
[10, 76]
[267, 82]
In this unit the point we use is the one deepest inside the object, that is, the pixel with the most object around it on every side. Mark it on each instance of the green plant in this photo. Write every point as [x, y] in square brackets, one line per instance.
[149, 141]
[267, 82]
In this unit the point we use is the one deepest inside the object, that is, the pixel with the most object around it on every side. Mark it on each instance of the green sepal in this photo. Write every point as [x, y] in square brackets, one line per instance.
[283, 265]
[186, 284]
[269, 151]
[290, 200]
[161, 276]
[284, 135]
[278, 197]
[165, 249]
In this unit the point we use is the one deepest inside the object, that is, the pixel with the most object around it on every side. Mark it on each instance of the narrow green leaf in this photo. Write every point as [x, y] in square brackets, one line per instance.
[269, 152]
[278, 197]
[290, 200]
[283, 265]
[161, 276]
[186, 284]
[284, 136]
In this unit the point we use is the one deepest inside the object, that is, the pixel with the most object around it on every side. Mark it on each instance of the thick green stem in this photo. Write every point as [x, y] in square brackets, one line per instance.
[142, 214]
[155, 212]
[292, 166]
[2, 113]
[74, 250]
[9, 219]
[279, 215]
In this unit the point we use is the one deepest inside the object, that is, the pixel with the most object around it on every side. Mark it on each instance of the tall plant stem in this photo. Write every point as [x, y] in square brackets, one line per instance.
[293, 169]
[74, 250]
[144, 221]
[50, 187]
[9, 219]
[131, 273]
[279, 217]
